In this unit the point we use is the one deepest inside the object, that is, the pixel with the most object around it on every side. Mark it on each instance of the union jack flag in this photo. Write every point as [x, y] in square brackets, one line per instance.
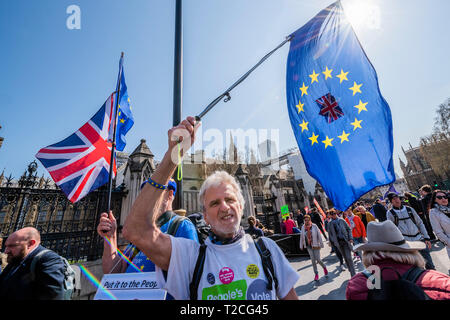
[329, 108]
[80, 163]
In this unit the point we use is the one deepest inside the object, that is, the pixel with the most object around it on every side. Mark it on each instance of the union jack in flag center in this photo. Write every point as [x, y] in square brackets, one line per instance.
[329, 107]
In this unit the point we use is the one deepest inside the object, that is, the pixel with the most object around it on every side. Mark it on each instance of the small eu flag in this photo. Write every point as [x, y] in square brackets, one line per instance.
[341, 122]
[125, 118]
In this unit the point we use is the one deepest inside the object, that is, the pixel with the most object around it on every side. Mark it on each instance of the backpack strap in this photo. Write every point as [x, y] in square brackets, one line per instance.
[266, 263]
[164, 218]
[411, 215]
[394, 214]
[193, 286]
[413, 274]
[175, 224]
[35, 260]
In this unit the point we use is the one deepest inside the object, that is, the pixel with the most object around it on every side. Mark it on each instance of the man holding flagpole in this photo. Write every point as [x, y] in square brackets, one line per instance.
[230, 266]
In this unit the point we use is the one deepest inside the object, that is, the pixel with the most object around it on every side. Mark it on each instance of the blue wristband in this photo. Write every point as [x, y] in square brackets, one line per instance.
[154, 184]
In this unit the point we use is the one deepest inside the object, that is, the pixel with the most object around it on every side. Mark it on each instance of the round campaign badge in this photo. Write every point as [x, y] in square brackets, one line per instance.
[252, 271]
[211, 279]
[226, 275]
[258, 291]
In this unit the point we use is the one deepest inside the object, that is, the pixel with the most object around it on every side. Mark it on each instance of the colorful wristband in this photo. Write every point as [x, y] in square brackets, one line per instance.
[154, 184]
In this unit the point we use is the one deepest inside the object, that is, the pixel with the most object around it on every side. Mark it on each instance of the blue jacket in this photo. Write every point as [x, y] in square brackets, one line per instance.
[254, 232]
[16, 284]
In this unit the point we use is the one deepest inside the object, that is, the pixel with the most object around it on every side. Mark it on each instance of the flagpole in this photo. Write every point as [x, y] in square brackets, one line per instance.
[113, 145]
[226, 94]
[178, 87]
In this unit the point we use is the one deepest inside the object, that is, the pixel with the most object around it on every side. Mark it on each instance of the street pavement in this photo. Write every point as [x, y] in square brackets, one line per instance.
[333, 286]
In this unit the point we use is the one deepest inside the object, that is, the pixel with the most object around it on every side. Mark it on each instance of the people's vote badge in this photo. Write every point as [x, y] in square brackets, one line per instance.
[226, 275]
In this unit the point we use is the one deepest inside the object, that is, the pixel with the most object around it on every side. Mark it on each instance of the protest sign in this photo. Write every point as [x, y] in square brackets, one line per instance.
[130, 286]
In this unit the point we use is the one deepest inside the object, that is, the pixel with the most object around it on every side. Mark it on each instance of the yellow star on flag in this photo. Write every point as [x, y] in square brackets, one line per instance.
[313, 138]
[356, 88]
[327, 73]
[327, 142]
[344, 136]
[342, 76]
[314, 76]
[304, 125]
[300, 106]
[304, 89]
[356, 124]
[361, 106]
[122, 120]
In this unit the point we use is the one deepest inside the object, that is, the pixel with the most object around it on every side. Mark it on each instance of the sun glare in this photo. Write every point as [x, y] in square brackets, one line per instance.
[362, 13]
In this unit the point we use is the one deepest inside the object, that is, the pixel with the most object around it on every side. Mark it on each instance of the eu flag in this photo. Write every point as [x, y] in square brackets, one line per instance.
[125, 118]
[391, 189]
[341, 122]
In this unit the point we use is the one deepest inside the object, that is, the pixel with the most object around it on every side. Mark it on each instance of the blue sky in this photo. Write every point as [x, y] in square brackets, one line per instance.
[54, 79]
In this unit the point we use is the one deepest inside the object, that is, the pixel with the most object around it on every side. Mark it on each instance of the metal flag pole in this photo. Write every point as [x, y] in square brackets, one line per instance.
[178, 86]
[226, 94]
[113, 145]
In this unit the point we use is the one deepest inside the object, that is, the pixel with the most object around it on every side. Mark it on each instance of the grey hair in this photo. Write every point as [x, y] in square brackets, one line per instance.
[217, 178]
[414, 258]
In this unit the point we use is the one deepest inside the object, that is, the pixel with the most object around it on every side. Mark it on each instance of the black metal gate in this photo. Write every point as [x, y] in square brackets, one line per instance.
[68, 229]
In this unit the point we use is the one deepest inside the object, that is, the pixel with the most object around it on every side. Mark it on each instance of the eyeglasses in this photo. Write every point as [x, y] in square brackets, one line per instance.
[441, 197]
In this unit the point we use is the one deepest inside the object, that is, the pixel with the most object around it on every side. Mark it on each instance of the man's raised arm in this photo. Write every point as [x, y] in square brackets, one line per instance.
[140, 225]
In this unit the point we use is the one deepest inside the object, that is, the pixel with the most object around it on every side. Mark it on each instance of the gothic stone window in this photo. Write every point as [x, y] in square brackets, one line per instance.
[59, 215]
[2, 216]
[77, 214]
[42, 216]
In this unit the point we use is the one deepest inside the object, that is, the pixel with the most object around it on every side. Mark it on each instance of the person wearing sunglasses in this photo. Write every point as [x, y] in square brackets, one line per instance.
[311, 239]
[440, 217]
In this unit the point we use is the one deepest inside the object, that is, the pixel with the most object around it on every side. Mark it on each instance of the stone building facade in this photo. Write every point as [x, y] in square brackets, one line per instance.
[417, 170]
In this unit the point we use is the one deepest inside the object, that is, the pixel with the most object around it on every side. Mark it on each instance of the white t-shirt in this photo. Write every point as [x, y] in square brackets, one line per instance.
[231, 272]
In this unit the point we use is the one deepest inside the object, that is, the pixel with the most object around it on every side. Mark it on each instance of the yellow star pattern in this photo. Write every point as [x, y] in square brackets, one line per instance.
[304, 125]
[361, 106]
[344, 136]
[356, 88]
[356, 124]
[300, 106]
[313, 138]
[327, 142]
[342, 76]
[327, 73]
[304, 89]
[122, 120]
[314, 76]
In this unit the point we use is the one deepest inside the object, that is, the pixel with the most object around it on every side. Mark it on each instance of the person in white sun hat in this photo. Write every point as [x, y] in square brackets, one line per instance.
[387, 252]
